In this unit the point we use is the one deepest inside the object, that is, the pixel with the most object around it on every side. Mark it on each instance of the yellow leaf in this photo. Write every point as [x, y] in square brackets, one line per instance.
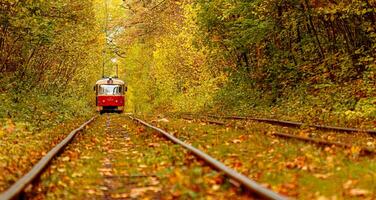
[66, 158]
[236, 141]
[359, 192]
[136, 192]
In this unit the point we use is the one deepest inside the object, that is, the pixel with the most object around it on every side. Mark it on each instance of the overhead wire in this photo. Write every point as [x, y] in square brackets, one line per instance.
[105, 28]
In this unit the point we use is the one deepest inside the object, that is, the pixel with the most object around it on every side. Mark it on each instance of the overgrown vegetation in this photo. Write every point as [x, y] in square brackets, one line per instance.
[48, 60]
[305, 60]
[290, 167]
[124, 160]
[289, 57]
[293, 56]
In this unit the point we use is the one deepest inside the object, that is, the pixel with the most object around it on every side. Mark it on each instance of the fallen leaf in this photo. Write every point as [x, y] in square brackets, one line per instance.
[359, 192]
[215, 187]
[355, 151]
[322, 198]
[136, 192]
[10, 126]
[236, 141]
[369, 144]
[61, 170]
[153, 181]
[140, 129]
[119, 196]
[348, 184]
[163, 120]
[103, 188]
[322, 176]
[66, 158]
[76, 174]
[90, 191]
[154, 145]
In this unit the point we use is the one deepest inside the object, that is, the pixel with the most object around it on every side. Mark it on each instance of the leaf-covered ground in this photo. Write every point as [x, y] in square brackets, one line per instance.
[114, 158]
[117, 159]
[294, 168]
[21, 148]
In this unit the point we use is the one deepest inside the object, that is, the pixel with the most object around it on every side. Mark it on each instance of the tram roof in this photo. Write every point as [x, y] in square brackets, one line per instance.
[114, 81]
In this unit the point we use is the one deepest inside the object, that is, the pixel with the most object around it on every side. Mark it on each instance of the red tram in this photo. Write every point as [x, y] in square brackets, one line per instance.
[110, 95]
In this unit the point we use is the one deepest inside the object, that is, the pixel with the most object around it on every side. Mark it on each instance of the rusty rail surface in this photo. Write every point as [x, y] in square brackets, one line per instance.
[322, 142]
[14, 190]
[240, 178]
[363, 149]
[294, 124]
[206, 120]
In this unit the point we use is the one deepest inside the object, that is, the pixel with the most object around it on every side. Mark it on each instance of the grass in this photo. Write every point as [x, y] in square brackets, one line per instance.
[294, 168]
[143, 165]
[20, 148]
[31, 123]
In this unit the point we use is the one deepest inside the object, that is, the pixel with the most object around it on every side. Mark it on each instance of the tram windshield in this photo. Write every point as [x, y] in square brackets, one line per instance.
[110, 90]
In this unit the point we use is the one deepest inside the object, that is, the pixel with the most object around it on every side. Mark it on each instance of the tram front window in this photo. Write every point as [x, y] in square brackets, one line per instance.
[110, 90]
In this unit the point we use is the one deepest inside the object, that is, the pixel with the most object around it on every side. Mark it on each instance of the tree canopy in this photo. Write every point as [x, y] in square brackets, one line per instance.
[197, 55]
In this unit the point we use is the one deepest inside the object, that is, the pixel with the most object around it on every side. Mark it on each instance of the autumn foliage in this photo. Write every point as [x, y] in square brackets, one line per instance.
[291, 57]
[223, 55]
[48, 51]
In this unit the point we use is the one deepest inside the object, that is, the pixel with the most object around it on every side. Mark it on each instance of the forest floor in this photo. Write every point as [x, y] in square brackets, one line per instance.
[117, 159]
[21, 148]
[290, 167]
[114, 158]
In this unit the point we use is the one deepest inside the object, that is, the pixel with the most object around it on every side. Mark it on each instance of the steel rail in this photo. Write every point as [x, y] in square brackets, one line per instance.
[37, 169]
[206, 121]
[322, 142]
[245, 181]
[363, 149]
[295, 124]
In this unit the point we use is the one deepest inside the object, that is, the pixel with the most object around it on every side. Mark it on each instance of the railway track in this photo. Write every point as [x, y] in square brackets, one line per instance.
[321, 142]
[364, 150]
[236, 140]
[129, 156]
[112, 182]
[17, 188]
[249, 184]
[295, 124]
